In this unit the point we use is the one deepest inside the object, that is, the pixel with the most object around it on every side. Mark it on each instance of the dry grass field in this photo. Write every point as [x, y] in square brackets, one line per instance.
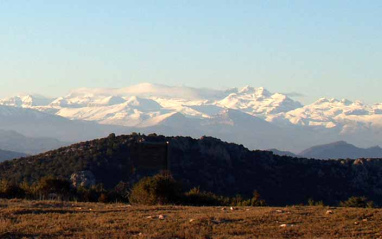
[50, 219]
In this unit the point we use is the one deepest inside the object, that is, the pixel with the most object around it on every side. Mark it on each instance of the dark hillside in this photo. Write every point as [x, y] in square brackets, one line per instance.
[220, 167]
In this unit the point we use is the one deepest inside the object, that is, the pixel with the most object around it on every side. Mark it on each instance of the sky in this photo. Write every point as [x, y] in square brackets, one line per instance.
[324, 48]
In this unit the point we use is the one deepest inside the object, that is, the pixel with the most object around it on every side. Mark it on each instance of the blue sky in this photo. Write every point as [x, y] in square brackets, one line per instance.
[317, 48]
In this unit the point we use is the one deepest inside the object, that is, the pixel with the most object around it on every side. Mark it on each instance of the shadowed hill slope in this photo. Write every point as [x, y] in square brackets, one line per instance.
[13, 141]
[7, 155]
[214, 165]
[341, 149]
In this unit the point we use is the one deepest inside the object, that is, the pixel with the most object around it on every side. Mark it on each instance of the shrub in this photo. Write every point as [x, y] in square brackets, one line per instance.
[256, 200]
[196, 197]
[87, 194]
[103, 198]
[357, 202]
[48, 186]
[311, 202]
[120, 193]
[96, 193]
[159, 189]
[10, 190]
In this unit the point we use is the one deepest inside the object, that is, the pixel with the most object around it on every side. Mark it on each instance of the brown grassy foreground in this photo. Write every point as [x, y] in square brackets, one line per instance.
[44, 219]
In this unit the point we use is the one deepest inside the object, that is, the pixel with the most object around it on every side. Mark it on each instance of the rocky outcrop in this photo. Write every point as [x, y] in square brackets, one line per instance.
[83, 179]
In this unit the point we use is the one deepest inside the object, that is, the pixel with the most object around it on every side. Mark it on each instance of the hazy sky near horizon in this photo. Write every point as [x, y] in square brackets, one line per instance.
[316, 48]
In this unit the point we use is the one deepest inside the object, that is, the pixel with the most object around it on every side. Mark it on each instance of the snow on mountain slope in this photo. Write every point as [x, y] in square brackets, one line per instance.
[258, 101]
[138, 104]
[83, 96]
[26, 101]
[184, 106]
[246, 114]
[108, 106]
[132, 112]
[327, 113]
[33, 123]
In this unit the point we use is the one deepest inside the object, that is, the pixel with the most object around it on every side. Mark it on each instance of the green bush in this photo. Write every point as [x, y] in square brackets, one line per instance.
[96, 193]
[159, 189]
[311, 202]
[48, 186]
[10, 190]
[256, 200]
[196, 197]
[120, 193]
[357, 202]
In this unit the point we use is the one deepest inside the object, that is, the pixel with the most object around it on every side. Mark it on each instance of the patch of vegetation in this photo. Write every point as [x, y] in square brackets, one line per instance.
[160, 189]
[50, 188]
[209, 164]
[357, 202]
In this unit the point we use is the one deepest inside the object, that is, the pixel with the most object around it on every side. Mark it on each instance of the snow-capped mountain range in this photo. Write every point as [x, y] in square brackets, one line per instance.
[234, 114]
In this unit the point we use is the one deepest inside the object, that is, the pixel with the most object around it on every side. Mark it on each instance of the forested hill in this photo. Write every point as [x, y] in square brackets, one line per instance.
[216, 166]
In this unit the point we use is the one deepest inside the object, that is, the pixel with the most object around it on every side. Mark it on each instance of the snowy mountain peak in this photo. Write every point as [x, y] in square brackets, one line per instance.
[106, 101]
[262, 92]
[148, 105]
[247, 89]
[321, 101]
[333, 101]
[145, 105]
[26, 101]
[258, 101]
[258, 92]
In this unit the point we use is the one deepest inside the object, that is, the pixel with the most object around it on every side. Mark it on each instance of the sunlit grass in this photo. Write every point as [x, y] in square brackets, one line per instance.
[51, 219]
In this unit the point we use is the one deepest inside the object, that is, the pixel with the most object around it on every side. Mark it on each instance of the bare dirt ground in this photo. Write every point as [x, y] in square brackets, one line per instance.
[50, 219]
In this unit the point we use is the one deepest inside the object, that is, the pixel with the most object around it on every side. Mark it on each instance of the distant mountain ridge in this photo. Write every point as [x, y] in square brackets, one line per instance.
[341, 150]
[36, 124]
[7, 155]
[335, 150]
[16, 142]
[288, 125]
[282, 153]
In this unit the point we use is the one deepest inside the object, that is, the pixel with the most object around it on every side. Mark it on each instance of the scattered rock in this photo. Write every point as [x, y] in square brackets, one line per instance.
[232, 208]
[162, 217]
[279, 211]
[149, 217]
[364, 220]
[286, 225]
[217, 221]
[329, 212]
[191, 220]
[356, 223]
